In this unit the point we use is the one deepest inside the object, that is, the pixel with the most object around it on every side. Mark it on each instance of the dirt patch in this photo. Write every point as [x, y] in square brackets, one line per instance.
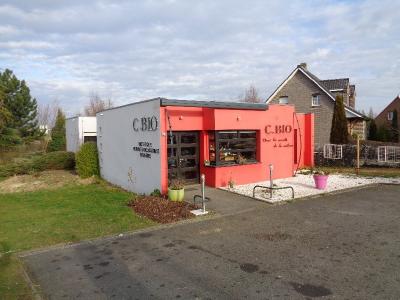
[41, 180]
[162, 210]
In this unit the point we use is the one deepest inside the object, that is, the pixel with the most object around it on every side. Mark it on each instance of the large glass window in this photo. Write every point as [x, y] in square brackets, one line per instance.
[233, 147]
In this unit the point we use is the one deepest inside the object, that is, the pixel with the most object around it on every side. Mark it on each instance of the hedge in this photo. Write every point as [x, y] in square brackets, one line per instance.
[87, 160]
[59, 160]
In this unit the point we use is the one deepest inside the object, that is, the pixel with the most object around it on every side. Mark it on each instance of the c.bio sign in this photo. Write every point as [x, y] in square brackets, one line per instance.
[145, 124]
[277, 129]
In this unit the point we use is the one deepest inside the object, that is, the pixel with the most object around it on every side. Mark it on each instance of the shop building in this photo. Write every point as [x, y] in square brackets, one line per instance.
[144, 145]
[79, 130]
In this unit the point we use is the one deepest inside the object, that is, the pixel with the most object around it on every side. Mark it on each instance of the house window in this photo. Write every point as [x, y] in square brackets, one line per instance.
[316, 100]
[389, 154]
[390, 116]
[283, 100]
[232, 147]
[333, 151]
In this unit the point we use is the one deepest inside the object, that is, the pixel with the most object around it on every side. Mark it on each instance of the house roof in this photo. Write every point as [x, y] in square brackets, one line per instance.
[350, 112]
[336, 84]
[391, 103]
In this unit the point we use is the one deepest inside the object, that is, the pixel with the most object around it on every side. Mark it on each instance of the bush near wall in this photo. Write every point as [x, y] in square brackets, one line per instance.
[59, 160]
[87, 160]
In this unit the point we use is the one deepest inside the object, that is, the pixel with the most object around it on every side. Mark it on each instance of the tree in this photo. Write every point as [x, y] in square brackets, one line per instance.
[339, 130]
[58, 142]
[8, 136]
[47, 114]
[19, 102]
[373, 131]
[251, 95]
[96, 104]
[394, 130]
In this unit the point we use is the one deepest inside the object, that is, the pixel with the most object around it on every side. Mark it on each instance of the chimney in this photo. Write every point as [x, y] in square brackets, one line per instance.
[303, 65]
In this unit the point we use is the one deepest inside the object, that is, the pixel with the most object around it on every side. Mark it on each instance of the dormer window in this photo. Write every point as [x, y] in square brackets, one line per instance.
[316, 100]
[390, 116]
[283, 100]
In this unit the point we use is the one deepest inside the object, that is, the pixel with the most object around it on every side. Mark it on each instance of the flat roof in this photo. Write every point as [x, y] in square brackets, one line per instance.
[213, 104]
[199, 103]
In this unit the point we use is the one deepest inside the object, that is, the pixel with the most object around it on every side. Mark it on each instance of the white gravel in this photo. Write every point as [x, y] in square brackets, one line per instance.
[303, 186]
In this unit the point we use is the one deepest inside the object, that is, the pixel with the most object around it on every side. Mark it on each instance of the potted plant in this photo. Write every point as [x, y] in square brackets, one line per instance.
[320, 179]
[176, 190]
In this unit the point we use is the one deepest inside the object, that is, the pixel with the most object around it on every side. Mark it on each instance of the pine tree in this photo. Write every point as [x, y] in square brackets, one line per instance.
[373, 131]
[19, 102]
[57, 142]
[395, 128]
[339, 131]
[8, 136]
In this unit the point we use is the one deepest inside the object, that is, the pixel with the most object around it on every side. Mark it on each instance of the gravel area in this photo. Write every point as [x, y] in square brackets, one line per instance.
[303, 186]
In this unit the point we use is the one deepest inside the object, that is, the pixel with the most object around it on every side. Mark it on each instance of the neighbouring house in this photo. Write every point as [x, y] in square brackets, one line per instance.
[309, 94]
[79, 130]
[385, 118]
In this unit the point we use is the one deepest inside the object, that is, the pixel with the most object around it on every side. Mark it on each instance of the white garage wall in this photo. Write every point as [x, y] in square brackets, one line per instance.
[120, 164]
[72, 134]
[76, 128]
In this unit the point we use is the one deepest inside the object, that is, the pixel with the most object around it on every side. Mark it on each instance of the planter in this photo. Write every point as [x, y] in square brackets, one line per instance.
[320, 181]
[176, 195]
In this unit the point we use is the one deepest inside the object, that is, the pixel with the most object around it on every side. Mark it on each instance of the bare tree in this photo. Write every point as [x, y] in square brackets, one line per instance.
[251, 95]
[96, 104]
[47, 114]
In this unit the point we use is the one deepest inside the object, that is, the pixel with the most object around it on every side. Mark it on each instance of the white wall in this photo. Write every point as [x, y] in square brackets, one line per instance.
[72, 134]
[120, 164]
[78, 127]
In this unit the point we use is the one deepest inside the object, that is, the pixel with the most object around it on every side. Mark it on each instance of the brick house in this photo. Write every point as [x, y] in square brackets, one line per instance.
[385, 118]
[309, 94]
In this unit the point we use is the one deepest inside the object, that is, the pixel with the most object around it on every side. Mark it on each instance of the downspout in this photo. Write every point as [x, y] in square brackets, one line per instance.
[171, 137]
[301, 145]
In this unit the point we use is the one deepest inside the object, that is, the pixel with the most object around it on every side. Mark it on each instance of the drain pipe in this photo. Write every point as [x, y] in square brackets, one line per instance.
[171, 137]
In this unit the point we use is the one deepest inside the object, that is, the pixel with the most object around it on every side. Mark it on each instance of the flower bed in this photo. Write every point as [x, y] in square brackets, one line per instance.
[303, 186]
[162, 210]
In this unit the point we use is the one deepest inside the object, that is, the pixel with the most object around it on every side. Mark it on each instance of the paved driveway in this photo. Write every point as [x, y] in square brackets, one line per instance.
[344, 246]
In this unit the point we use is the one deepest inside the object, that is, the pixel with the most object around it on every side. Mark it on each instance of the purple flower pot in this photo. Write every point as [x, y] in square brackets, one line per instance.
[320, 181]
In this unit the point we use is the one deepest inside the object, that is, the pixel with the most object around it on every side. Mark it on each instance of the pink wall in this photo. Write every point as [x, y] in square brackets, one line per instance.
[276, 140]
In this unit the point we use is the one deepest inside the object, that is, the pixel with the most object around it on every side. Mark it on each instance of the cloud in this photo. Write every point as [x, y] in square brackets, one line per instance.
[132, 50]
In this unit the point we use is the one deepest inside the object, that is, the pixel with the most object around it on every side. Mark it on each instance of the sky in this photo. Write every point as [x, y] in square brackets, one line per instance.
[128, 51]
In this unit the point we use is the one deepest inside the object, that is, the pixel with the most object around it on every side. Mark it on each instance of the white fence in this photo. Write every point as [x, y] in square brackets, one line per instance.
[390, 154]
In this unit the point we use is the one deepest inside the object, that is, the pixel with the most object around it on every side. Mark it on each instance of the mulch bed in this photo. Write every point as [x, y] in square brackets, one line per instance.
[162, 210]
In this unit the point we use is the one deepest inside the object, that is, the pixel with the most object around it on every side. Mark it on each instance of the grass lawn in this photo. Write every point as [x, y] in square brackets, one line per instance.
[382, 172]
[47, 217]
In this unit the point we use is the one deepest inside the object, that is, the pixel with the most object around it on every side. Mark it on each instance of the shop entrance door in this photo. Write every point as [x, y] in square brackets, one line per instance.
[183, 156]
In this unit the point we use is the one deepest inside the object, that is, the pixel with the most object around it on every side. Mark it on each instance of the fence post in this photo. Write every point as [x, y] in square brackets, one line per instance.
[358, 154]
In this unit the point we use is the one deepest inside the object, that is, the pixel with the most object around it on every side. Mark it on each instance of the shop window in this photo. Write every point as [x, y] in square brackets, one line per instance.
[232, 147]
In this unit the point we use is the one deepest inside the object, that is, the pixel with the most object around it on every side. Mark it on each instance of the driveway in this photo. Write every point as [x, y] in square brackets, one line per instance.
[343, 246]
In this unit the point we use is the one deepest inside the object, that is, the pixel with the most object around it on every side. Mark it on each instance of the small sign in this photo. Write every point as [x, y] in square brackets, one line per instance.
[146, 149]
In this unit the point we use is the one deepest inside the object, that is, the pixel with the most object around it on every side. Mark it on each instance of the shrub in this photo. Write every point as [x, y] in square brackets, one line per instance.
[87, 160]
[60, 160]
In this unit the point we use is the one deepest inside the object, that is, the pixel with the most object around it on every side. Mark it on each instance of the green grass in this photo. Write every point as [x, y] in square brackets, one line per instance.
[364, 171]
[69, 214]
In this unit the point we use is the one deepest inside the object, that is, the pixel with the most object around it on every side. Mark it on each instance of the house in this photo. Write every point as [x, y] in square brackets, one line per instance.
[145, 145]
[385, 118]
[309, 94]
[79, 130]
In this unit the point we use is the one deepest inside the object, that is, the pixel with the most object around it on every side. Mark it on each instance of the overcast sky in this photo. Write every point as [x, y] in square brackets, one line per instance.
[211, 50]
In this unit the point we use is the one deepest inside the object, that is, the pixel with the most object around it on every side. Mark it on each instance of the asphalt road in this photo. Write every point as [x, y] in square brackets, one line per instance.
[343, 246]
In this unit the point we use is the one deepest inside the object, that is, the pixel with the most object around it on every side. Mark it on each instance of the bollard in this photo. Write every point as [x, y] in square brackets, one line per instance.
[271, 182]
[201, 211]
[203, 196]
